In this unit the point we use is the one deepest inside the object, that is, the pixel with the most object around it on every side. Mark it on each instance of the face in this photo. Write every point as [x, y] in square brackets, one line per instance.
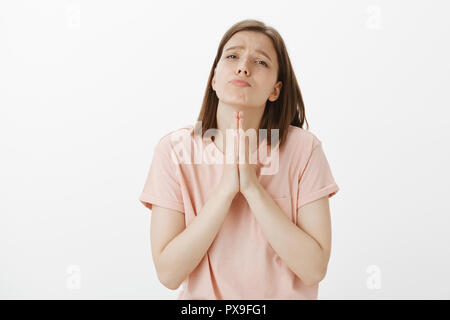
[255, 62]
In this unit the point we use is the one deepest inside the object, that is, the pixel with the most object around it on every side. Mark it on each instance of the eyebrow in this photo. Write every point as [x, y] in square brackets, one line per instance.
[241, 47]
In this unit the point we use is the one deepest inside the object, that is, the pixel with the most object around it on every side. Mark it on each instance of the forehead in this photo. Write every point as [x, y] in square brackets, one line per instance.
[252, 40]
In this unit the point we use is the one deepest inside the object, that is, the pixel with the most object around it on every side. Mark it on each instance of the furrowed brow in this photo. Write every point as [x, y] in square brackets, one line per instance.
[259, 51]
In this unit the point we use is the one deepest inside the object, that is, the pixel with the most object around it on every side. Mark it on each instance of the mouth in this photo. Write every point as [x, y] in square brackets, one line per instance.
[240, 83]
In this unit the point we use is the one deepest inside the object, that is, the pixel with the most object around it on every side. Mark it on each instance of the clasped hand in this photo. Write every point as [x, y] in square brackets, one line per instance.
[247, 171]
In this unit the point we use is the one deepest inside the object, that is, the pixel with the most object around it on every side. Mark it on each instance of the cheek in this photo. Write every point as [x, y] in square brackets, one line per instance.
[268, 83]
[221, 66]
[221, 75]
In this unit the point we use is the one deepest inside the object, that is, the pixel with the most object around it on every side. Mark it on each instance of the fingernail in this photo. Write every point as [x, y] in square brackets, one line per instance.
[241, 114]
[234, 114]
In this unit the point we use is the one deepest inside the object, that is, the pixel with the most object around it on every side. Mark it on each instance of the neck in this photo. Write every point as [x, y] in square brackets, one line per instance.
[225, 116]
[252, 116]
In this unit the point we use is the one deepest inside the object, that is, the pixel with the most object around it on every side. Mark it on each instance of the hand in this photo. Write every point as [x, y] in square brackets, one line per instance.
[229, 183]
[247, 171]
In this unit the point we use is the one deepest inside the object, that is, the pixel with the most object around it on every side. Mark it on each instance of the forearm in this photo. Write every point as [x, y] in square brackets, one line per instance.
[183, 253]
[296, 248]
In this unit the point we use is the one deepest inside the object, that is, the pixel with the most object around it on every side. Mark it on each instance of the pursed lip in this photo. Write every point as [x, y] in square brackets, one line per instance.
[240, 82]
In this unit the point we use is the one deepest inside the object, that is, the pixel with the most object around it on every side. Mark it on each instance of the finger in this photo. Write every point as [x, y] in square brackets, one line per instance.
[235, 127]
[242, 144]
[230, 146]
[237, 139]
[241, 122]
[247, 150]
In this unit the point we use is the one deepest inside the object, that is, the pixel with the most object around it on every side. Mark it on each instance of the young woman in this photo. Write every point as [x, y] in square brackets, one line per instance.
[239, 229]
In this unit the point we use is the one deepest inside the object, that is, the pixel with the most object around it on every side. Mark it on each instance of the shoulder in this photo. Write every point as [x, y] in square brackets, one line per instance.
[302, 139]
[169, 139]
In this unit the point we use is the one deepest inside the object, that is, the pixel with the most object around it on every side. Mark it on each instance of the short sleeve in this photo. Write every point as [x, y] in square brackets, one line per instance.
[162, 186]
[316, 180]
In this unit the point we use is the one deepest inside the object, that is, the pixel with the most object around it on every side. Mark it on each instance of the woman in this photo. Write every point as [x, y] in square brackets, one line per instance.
[228, 229]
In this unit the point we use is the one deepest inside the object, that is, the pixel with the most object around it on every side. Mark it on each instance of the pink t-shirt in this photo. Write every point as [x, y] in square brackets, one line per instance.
[240, 263]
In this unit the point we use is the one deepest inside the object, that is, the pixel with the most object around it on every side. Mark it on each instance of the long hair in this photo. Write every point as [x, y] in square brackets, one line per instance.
[287, 110]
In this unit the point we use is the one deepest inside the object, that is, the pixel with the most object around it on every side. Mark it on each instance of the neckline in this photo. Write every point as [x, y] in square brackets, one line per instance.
[259, 159]
[218, 150]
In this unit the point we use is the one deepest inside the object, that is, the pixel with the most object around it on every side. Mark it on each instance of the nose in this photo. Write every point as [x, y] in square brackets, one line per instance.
[242, 68]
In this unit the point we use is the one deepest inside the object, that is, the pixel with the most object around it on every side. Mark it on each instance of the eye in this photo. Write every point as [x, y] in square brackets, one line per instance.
[263, 62]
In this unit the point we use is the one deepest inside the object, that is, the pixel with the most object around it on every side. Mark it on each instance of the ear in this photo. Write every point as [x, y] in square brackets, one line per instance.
[276, 91]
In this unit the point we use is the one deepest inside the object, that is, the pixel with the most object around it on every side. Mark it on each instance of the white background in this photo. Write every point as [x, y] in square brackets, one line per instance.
[87, 88]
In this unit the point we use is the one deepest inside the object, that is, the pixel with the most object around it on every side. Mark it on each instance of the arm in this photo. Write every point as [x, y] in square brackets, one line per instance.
[184, 247]
[304, 248]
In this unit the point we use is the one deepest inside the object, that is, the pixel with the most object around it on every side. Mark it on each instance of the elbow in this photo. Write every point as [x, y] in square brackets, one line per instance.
[315, 279]
[168, 281]
[171, 285]
[165, 275]
[311, 282]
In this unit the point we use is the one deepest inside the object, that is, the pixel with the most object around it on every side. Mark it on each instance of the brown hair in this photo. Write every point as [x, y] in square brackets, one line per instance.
[287, 110]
